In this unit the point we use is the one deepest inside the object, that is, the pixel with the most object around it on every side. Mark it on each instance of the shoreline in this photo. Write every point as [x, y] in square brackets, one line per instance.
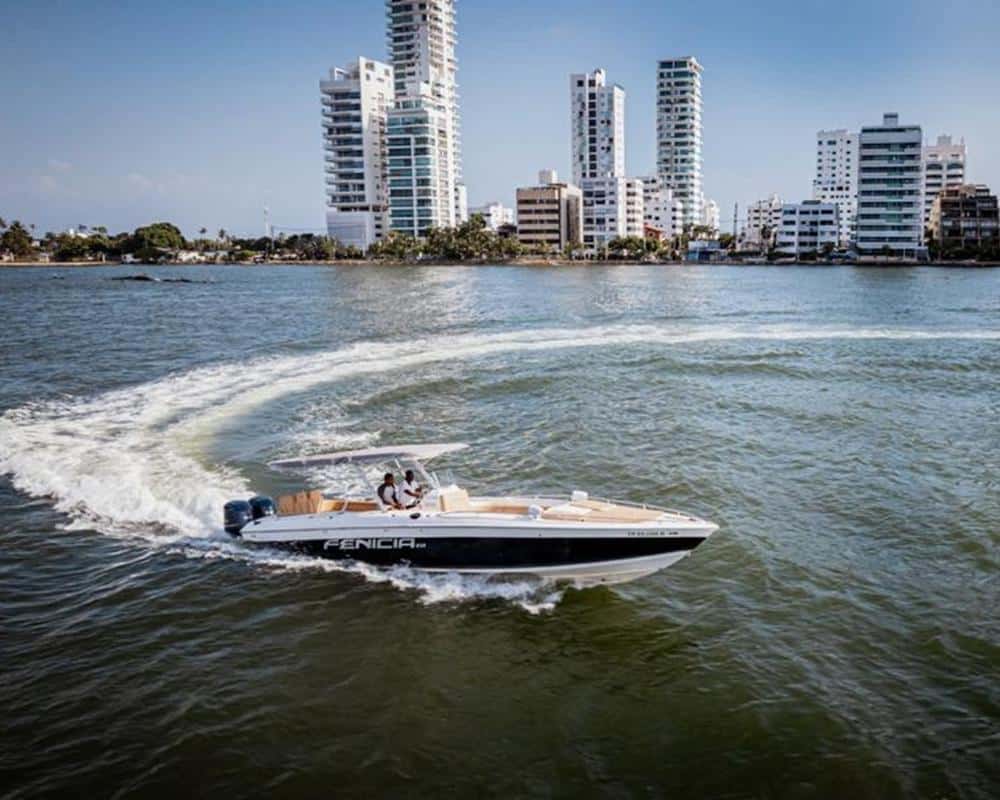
[519, 262]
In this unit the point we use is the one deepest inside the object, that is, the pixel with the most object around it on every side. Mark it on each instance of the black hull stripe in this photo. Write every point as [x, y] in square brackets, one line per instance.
[468, 552]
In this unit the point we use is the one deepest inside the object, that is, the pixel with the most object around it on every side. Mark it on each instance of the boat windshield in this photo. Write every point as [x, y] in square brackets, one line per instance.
[361, 481]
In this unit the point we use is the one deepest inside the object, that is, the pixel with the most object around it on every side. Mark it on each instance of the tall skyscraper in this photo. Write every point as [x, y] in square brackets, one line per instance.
[678, 132]
[836, 178]
[425, 155]
[944, 168]
[890, 190]
[597, 120]
[597, 117]
[355, 101]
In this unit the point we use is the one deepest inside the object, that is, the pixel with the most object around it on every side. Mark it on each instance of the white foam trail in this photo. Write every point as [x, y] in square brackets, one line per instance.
[126, 462]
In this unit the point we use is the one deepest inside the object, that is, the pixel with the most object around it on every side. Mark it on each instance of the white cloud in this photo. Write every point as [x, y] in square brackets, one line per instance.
[59, 166]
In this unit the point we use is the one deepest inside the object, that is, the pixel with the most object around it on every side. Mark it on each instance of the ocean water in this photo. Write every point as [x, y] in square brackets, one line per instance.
[838, 637]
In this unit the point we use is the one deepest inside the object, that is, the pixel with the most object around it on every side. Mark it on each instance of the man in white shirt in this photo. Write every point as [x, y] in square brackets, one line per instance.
[412, 492]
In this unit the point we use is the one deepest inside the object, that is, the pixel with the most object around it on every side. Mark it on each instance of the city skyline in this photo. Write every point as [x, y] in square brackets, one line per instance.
[211, 123]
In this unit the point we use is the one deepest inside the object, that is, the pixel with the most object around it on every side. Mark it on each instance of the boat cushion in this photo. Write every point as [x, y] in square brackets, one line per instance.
[454, 499]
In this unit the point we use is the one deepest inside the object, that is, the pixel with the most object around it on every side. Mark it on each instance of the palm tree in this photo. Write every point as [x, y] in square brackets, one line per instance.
[202, 231]
[3, 223]
[222, 234]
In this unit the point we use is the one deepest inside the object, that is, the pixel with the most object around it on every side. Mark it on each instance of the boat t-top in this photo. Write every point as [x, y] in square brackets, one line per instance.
[575, 538]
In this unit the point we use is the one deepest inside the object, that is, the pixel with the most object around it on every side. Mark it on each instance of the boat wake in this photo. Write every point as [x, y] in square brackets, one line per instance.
[127, 463]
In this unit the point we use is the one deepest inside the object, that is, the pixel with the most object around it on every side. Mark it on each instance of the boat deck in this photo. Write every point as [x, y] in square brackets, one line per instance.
[455, 500]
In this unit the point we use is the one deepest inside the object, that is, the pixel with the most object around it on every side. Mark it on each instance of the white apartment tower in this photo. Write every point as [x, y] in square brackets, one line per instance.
[355, 101]
[890, 190]
[944, 168]
[611, 202]
[836, 178]
[425, 154]
[678, 132]
[597, 119]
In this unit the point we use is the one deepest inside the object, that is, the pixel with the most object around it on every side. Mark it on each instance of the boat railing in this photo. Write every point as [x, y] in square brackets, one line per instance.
[559, 498]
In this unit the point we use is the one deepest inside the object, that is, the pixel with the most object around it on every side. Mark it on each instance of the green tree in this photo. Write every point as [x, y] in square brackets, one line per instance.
[17, 241]
[71, 248]
[158, 236]
[395, 246]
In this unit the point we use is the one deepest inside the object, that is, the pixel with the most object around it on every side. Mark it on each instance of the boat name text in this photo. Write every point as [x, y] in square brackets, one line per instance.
[380, 543]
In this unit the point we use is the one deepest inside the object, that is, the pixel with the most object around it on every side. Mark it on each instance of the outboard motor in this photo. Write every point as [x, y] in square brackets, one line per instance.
[236, 513]
[262, 506]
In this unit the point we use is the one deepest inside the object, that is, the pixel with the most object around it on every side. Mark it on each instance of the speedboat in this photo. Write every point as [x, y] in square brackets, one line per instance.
[574, 538]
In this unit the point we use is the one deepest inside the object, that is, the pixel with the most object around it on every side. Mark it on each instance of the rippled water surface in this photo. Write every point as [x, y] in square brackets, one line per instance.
[838, 637]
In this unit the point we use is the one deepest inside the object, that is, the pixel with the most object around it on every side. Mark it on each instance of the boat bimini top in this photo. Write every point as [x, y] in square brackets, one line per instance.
[400, 456]
[369, 455]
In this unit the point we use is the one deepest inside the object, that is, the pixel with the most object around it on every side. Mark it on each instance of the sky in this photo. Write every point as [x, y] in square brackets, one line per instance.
[124, 113]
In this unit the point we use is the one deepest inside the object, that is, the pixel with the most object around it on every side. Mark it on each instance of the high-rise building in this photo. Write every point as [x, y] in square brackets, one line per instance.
[890, 190]
[763, 221]
[425, 154]
[597, 119]
[836, 178]
[355, 101]
[944, 168]
[678, 132]
[808, 228]
[550, 215]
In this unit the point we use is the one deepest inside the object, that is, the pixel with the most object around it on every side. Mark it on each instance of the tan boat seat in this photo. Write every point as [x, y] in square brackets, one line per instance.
[313, 502]
[454, 499]
[338, 504]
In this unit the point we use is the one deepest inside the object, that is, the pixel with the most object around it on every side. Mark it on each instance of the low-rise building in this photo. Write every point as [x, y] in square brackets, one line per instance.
[763, 221]
[705, 250]
[495, 214]
[808, 228]
[661, 210]
[550, 215]
[613, 208]
[965, 219]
